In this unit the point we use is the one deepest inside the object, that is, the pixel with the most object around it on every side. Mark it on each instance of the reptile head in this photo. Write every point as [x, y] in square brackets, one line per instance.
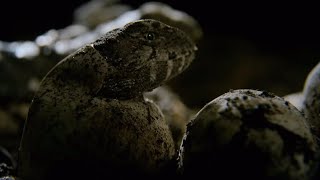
[144, 54]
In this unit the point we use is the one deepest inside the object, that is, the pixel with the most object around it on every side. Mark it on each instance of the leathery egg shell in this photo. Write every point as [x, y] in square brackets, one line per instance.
[248, 134]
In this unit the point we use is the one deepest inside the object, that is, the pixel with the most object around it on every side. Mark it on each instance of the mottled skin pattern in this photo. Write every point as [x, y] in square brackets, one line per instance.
[311, 99]
[89, 114]
[253, 134]
[143, 59]
[17, 73]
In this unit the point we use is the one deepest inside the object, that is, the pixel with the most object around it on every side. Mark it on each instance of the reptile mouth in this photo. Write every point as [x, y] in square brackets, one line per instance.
[173, 55]
[184, 59]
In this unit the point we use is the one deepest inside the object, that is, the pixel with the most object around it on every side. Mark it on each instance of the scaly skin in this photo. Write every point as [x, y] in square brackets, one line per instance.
[24, 63]
[89, 117]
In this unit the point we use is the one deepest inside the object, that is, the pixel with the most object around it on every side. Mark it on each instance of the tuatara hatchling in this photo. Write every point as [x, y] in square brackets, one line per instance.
[89, 119]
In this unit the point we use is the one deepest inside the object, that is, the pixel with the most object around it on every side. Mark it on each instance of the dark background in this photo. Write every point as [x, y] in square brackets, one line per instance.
[268, 46]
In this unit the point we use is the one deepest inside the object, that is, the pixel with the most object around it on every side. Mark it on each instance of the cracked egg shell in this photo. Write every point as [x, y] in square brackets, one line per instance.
[248, 134]
[127, 138]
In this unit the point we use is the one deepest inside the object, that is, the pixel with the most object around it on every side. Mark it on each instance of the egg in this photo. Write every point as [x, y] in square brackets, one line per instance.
[248, 134]
[117, 138]
[175, 112]
[311, 99]
[295, 99]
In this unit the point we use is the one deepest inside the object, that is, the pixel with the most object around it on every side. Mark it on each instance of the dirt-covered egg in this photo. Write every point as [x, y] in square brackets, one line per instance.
[248, 134]
[122, 138]
[311, 101]
[175, 112]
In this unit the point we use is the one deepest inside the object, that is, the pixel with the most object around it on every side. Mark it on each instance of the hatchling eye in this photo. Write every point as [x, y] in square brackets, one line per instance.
[150, 36]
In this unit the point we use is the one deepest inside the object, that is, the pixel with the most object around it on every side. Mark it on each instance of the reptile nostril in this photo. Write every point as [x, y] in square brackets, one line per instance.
[172, 55]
